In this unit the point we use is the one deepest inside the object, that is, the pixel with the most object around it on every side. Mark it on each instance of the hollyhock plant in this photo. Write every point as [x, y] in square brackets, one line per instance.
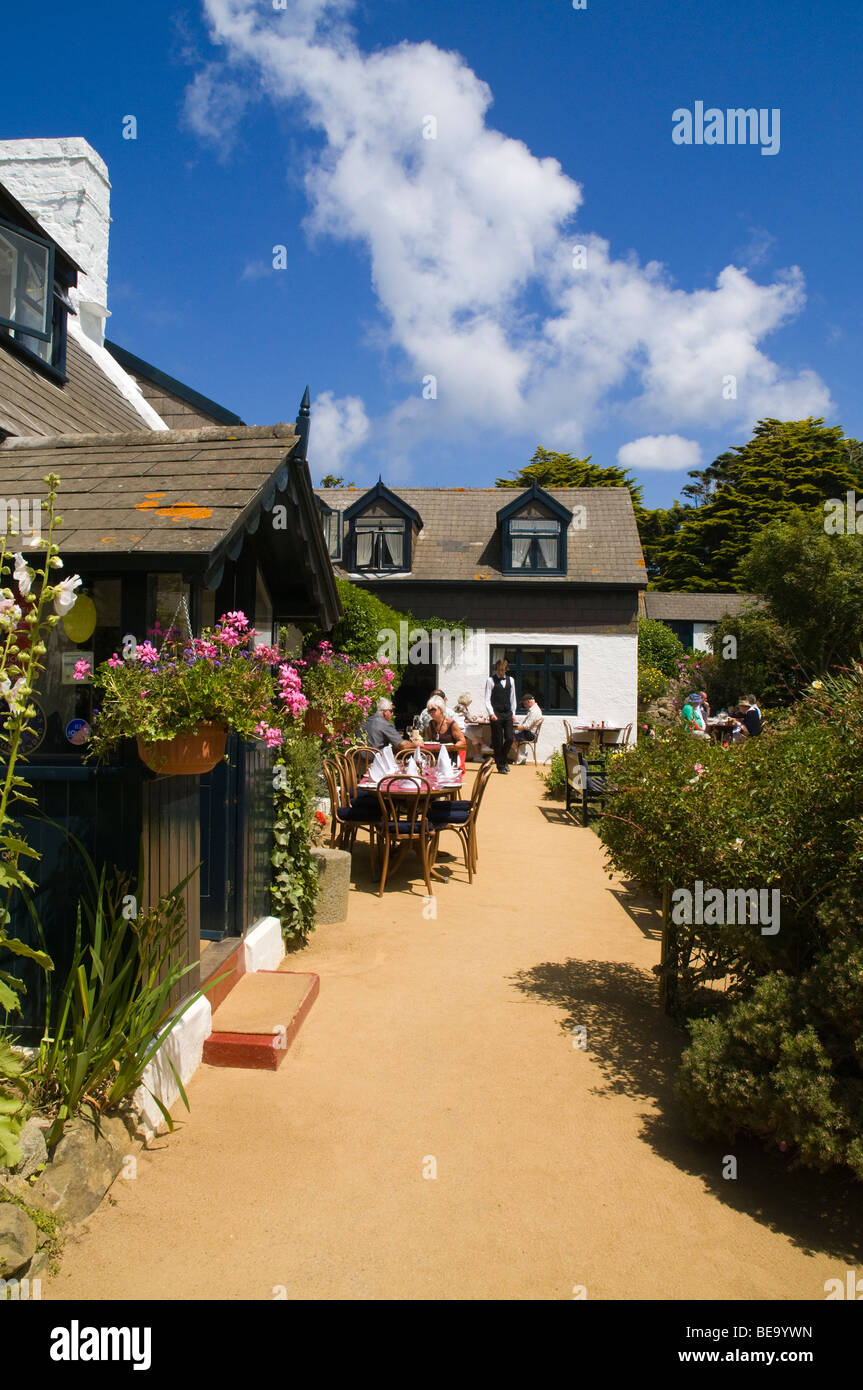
[217, 678]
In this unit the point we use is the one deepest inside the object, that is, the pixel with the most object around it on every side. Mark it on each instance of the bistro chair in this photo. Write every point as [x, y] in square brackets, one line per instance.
[403, 822]
[531, 743]
[349, 813]
[461, 816]
[583, 782]
[359, 760]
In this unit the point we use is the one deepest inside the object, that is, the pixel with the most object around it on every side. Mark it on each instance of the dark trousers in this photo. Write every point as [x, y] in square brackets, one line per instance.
[501, 737]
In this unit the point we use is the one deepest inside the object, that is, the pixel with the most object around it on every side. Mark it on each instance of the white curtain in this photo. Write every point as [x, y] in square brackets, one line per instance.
[520, 551]
[547, 553]
[365, 540]
[393, 547]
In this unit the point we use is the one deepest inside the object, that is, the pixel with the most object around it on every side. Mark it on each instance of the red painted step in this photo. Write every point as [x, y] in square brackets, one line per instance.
[256, 1024]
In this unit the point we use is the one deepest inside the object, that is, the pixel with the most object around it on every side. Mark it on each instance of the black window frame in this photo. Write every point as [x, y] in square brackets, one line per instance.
[393, 522]
[56, 337]
[535, 677]
[533, 567]
[331, 522]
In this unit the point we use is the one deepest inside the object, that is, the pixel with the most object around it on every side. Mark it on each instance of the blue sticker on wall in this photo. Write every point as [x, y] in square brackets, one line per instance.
[77, 731]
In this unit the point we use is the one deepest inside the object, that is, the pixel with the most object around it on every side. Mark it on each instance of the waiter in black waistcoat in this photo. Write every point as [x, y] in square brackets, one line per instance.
[500, 703]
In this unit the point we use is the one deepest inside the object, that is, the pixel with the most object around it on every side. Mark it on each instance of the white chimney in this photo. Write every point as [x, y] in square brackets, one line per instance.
[64, 184]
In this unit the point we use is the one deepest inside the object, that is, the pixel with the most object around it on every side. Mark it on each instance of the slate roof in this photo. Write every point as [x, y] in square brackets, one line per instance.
[460, 540]
[153, 491]
[89, 403]
[697, 608]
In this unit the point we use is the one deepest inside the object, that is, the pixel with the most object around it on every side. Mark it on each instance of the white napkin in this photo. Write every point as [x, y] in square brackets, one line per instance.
[444, 766]
[412, 767]
[390, 764]
[378, 769]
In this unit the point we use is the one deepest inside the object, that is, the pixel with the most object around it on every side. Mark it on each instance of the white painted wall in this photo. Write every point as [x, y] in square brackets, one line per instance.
[700, 634]
[184, 1047]
[263, 945]
[607, 677]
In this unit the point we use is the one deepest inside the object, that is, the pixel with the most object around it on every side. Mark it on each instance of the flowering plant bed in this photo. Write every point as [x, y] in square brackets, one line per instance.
[220, 678]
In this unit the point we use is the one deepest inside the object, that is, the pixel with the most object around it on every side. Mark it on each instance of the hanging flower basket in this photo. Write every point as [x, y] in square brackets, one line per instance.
[315, 722]
[185, 755]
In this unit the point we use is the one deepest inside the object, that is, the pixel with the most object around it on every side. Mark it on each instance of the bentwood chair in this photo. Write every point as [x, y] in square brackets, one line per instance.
[349, 813]
[403, 822]
[462, 816]
[532, 743]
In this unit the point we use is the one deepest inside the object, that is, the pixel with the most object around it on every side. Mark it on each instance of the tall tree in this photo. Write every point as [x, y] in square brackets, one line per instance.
[551, 470]
[788, 464]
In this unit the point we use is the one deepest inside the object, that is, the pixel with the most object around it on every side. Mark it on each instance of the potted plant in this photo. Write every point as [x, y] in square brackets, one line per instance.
[180, 702]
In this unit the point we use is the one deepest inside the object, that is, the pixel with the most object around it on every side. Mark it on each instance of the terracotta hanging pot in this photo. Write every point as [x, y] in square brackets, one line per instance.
[315, 722]
[185, 755]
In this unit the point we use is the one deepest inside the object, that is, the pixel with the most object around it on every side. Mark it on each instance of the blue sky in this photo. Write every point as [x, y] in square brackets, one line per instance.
[452, 257]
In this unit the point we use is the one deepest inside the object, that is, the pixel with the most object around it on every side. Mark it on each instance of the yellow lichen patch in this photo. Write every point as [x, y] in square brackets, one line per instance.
[108, 538]
[149, 502]
[184, 511]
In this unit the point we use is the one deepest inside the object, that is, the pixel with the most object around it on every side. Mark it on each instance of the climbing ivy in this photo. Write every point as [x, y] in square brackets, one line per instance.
[296, 774]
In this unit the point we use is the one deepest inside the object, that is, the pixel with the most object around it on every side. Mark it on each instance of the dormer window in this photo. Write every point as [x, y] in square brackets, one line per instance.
[534, 543]
[331, 521]
[33, 304]
[533, 534]
[381, 531]
[380, 543]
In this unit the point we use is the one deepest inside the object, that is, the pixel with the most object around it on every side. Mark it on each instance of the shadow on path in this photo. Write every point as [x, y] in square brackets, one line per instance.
[637, 1049]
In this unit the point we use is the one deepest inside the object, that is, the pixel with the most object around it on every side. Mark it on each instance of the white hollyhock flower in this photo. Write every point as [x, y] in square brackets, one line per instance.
[21, 575]
[11, 692]
[64, 599]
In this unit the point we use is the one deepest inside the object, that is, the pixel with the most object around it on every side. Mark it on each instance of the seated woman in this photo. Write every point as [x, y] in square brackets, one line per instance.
[442, 729]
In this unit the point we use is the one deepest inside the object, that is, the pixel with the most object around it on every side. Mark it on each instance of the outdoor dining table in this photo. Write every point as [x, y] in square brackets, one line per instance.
[590, 732]
[721, 728]
[439, 788]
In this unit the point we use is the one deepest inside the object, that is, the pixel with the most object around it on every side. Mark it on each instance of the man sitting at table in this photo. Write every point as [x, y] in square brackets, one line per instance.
[441, 728]
[750, 716]
[379, 729]
[525, 729]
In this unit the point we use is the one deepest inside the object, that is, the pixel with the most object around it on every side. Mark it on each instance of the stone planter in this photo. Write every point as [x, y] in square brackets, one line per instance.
[334, 882]
[186, 754]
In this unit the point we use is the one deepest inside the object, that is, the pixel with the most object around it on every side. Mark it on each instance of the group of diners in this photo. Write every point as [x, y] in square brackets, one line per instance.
[437, 723]
[740, 722]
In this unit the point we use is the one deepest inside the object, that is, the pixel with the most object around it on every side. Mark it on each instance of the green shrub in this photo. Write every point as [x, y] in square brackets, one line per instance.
[651, 684]
[296, 777]
[658, 646]
[555, 777]
[779, 1054]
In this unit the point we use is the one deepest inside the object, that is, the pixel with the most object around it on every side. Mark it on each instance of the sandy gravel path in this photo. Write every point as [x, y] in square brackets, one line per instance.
[447, 1045]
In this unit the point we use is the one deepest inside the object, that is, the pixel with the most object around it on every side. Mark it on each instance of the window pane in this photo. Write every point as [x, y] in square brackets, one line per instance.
[521, 552]
[365, 541]
[533, 526]
[25, 288]
[393, 547]
[547, 553]
[562, 690]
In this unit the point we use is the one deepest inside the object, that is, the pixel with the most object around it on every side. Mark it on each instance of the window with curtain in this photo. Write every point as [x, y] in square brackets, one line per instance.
[550, 674]
[380, 543]
[534, 543]
[32, 306]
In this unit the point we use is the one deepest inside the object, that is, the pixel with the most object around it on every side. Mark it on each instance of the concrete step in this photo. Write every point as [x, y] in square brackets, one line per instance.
[256, 1024]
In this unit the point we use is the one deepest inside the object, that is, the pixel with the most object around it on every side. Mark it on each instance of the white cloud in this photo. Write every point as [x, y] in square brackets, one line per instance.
[339, 425]
[459, 228]
[665, 451]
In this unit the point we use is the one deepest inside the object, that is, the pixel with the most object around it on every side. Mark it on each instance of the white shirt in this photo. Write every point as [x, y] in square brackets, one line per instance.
[532, 717]
[489, 687]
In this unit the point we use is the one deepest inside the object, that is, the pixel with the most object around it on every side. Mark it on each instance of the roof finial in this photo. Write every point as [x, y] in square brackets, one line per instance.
[303, 419]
